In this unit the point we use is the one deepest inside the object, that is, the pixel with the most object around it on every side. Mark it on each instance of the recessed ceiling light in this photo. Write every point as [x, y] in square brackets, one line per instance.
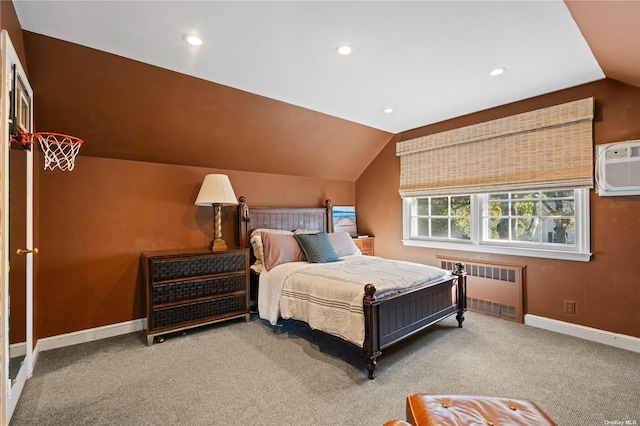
[497, 71]
[388, 110]
[343, 49]
[193, 40]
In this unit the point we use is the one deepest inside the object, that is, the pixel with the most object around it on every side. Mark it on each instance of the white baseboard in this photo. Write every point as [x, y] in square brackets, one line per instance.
[621, 341]
[17, 349]
[90, 335]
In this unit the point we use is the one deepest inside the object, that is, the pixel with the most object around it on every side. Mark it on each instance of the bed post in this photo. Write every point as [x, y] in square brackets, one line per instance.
[329, 215]
[371, 345]
[461, 274]
[243, 218]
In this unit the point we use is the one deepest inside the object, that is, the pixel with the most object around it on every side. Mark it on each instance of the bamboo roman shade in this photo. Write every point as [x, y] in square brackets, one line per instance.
[547, 148]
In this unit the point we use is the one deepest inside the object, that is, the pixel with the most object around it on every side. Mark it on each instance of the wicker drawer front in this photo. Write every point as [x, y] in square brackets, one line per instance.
[181, 268]
[187, 290]
[175, 315]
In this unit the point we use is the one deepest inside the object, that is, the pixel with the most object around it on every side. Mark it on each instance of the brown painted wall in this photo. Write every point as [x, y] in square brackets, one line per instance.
[606, 289]
[17, 240]
[96, 220]
[134, 111]
[9, 21]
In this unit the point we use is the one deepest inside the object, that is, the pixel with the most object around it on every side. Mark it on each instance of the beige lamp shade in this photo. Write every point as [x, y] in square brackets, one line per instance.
[216, 189]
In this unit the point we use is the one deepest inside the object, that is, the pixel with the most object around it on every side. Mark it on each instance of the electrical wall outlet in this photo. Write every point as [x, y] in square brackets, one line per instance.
[570, 307]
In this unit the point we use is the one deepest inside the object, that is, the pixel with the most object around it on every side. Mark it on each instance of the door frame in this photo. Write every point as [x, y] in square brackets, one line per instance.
[10, 393]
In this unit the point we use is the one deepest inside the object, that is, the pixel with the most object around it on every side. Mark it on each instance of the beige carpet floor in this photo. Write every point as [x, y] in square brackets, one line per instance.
[238, 373]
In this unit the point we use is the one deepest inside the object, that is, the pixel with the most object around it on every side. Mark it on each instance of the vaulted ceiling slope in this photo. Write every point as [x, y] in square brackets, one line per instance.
[429, 61]
[612, 30]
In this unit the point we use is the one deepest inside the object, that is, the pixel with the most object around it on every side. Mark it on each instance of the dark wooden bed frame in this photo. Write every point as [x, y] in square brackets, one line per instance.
[387, 319]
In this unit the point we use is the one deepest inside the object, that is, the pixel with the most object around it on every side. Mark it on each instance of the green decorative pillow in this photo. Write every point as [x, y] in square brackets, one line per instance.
[317, 247]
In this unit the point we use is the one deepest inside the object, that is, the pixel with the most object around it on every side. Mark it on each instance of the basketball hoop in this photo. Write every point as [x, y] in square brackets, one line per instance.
[59, 150]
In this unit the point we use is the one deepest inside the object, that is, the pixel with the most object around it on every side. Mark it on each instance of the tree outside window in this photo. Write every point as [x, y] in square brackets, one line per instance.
[540, 217]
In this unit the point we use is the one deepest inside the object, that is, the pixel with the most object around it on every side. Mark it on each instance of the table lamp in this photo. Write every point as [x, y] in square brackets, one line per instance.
[216, 191]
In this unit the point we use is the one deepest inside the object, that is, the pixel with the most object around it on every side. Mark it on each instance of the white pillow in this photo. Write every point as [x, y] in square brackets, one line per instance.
[343, 244]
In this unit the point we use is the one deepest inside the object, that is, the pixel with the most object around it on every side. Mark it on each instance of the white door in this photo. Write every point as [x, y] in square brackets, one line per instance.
[16, 115]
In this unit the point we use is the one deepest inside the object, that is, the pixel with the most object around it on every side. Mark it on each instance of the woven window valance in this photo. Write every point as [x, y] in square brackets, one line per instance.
[543, 149]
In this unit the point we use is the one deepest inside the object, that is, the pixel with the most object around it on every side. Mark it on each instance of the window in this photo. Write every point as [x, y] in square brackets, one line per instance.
[520, 200]
[442, 217]
[535, 217]
[548, 223]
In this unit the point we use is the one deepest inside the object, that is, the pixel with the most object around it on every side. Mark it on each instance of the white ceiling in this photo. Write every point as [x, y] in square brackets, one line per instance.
[427, 60]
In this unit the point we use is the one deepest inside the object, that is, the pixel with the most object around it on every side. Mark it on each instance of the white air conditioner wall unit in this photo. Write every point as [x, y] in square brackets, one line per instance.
[618, 168]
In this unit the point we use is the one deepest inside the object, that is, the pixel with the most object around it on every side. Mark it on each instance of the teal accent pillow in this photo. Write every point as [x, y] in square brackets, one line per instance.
[317, 247]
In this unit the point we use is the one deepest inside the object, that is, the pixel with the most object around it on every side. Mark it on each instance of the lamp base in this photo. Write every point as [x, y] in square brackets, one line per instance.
[218, 245]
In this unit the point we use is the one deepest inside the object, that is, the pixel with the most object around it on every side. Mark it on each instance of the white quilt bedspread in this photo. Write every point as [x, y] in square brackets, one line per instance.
[328, 296]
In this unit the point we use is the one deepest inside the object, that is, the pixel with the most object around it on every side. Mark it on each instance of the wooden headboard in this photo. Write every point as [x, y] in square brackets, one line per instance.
[287, 218]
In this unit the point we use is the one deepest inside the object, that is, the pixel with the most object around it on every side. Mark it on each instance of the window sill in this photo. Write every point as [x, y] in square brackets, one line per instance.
[510, 251]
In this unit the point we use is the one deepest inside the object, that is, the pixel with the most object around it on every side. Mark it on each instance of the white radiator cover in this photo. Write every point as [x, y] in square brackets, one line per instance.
[494, 289]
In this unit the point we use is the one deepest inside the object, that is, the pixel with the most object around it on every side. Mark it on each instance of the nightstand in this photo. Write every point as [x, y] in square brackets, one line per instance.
[190, 288]
[365, 244]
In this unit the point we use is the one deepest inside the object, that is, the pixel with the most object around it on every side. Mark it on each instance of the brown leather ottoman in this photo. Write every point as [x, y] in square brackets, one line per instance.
[444, 410]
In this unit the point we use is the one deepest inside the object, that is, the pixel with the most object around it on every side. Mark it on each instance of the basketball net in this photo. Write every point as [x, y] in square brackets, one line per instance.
[59, 150]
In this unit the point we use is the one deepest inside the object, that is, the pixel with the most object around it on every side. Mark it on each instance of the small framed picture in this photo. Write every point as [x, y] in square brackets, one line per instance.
[344, 220]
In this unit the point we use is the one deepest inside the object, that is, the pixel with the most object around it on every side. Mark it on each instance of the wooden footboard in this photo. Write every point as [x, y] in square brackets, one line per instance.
[393, 318]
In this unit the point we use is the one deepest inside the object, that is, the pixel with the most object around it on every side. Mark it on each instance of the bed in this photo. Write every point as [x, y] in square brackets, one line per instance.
[376, 311]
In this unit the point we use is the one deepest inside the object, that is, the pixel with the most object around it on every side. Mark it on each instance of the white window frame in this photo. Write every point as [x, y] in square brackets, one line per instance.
[448, 217]
[580, 251]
